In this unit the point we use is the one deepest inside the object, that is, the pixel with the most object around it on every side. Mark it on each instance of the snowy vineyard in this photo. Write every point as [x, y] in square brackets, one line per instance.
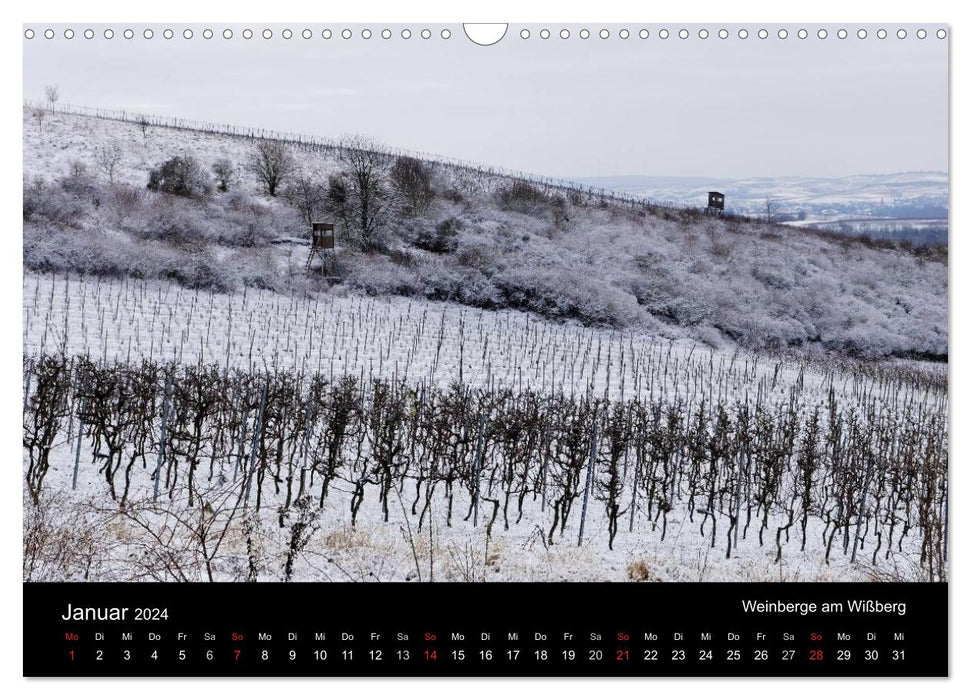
[428, 343]
[209, 468]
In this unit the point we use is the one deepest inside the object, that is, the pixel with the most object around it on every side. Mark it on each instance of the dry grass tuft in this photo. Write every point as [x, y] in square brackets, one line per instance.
[639, 572]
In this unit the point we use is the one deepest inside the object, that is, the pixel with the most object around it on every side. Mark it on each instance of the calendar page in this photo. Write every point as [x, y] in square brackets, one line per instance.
[485, 349]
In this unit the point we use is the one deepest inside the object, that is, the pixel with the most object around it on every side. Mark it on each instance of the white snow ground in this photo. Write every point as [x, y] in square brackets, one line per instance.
[418, 342]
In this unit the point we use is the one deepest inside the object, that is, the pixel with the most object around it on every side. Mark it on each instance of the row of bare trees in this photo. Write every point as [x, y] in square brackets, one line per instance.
[480, 176]
[52, 93]
[361, 197]
[851, 479]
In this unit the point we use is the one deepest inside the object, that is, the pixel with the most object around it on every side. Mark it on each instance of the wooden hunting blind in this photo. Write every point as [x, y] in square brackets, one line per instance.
[323, 236]
[321, 242]
[716, 201]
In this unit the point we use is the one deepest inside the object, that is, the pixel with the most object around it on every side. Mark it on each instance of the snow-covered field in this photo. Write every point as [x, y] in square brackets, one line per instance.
[105, 543]
[434, 345]
[411, 340]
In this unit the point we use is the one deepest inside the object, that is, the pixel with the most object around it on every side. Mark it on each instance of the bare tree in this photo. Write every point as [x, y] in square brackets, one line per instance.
[224, 171]
[336, 200]
[768, 210]
[108, 158]
[273, 164]
[39, 113]
[368, 198]
[307, 194]
[412, 180]
[143, 124]
[53, 94]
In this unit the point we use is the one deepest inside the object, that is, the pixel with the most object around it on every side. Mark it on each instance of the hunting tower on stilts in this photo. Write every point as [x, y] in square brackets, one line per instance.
[321, 244]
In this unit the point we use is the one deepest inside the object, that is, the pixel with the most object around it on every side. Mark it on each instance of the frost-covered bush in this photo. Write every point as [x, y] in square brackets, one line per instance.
[44, 202]
[125, 202]
[442, 239]
[244, 202]
[198, 269]
[225, 173]
[523, 197]
[93, 253]
[379, 275]
[256, 267]
[567, 295]
[80, 184]
[253, 227]
[56, 250]
[168, 222]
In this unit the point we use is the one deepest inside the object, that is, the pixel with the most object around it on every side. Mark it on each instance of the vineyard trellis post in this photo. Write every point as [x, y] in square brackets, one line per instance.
[255, 443]
[77, 452]
[242, 434]
[161, 439]
[947, 500]
[30, 374]
[738, 493]
[586, 489]
[859, 515]
[311, 407]
[478, 470]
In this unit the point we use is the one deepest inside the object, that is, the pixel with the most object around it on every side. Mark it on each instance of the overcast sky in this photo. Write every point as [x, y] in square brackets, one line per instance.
[569, 108]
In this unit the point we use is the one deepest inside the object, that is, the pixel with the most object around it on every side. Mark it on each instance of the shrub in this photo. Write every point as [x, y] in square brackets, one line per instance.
[33, 196]
[79, 184]
[474, 256]
[453, 195]
[181, 176]
[241, 202]
[225, 172]
[198, 269]
[43, 202]
[443, 239]
[567, 294]
[721, 248]
[124, 201]
[176, 226]
[77, 168]
[559, 210]
[256, 268]
[402, 257]
[254, 232]
[524, 198]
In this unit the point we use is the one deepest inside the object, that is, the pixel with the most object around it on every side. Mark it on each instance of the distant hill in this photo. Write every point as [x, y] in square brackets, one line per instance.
[899, 206]
[483, 239]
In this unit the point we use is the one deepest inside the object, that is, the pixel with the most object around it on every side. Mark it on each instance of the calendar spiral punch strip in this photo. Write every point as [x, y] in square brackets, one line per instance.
[485, 350]
[487, 34]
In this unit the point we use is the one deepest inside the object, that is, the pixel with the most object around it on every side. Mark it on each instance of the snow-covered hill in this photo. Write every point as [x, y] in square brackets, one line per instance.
[672, 273]
[388, 430]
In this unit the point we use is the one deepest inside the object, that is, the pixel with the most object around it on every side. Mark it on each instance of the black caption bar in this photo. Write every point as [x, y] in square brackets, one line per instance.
[485, 629]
